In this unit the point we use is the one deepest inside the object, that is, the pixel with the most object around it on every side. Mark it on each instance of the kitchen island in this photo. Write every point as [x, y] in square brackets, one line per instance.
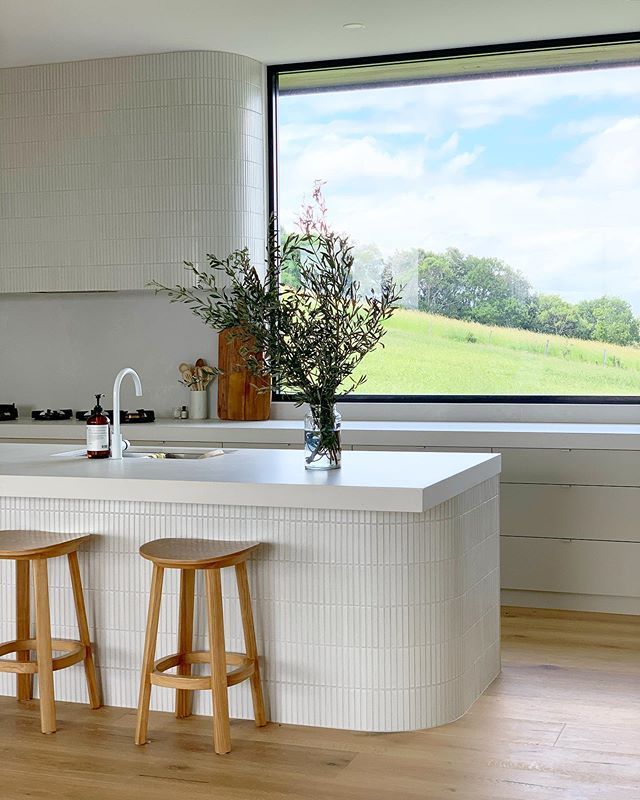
[376, 591]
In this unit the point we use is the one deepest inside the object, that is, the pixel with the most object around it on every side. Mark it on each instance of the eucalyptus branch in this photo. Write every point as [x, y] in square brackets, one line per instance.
[309, 339]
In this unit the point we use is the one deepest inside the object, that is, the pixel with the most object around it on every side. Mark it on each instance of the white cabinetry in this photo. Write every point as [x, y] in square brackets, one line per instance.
[114, 171]
[570, 518]
[570, 528]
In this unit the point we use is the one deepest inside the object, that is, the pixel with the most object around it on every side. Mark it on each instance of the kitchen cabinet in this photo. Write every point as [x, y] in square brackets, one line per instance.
[376, 589]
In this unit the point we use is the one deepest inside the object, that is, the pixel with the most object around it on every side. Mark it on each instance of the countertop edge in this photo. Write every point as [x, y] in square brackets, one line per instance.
[401, 499]
[587, 436]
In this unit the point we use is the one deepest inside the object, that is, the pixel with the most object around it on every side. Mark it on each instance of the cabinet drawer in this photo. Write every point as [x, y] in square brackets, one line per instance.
[584, 467]
[570, 512]
[389, 448]
[553, 565]
[458, 449]
[260, 446]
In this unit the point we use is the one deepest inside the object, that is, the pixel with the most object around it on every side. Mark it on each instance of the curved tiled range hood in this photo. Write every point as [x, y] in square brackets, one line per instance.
[116, 170]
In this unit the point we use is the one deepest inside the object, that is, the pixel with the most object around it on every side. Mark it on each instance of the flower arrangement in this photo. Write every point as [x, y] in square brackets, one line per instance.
[310, 339]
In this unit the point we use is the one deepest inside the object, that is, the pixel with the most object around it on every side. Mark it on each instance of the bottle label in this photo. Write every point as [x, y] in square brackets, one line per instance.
[97, 438]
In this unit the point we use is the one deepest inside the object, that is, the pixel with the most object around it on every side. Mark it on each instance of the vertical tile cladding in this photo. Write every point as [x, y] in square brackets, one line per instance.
[365, 620]
[114, 171]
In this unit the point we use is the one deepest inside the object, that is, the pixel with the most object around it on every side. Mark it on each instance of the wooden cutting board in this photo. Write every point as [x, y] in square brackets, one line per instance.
[238, 395]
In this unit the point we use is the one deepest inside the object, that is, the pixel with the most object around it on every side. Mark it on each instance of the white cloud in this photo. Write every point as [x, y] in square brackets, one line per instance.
[337, 159]
[450, 145]
[430, 109]
[463, 160]
[582, 127]
[575, 233]
[573, 230]
[612, 157]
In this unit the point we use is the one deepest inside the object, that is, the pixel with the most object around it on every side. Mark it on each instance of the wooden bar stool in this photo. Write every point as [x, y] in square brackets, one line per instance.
[38, 547]
[188, 555]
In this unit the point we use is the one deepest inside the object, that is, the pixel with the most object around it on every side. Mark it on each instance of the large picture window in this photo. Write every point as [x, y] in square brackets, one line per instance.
[502, 190]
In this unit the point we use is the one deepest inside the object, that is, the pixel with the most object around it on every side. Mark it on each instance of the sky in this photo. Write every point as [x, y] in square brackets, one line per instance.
[542, 171]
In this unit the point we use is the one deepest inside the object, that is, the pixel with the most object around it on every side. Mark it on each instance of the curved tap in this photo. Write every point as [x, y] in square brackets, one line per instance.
[116, 439]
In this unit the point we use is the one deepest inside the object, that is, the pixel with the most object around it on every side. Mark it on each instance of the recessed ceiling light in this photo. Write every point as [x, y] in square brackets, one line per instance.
[353, 26]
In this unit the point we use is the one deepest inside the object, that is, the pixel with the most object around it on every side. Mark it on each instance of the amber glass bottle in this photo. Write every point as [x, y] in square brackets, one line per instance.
[98, 433]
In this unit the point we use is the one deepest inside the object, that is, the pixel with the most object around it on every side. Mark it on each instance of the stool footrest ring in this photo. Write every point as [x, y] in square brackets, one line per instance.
[73, 650]
[244, 668]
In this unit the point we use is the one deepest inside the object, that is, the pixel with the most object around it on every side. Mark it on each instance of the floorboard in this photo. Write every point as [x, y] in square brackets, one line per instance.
[562, 722]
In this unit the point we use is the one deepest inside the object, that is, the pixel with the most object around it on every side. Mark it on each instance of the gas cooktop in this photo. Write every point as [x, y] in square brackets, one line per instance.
[8, 411]
[52, 414]
[139, 415]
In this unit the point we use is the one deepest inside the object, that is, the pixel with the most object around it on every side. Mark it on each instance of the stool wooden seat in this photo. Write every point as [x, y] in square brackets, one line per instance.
[37, 547]
[189, 555]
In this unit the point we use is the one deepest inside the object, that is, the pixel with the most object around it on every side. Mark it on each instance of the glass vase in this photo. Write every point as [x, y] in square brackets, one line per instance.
[322, 447]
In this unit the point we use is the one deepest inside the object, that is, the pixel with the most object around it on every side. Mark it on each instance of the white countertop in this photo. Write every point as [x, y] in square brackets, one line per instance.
[558, 435]
[375, 481]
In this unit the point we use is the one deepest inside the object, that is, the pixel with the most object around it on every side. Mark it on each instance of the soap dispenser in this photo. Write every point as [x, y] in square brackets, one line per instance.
[98, 433]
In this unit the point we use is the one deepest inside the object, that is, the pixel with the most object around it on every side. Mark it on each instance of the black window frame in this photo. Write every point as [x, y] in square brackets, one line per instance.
[512, 48]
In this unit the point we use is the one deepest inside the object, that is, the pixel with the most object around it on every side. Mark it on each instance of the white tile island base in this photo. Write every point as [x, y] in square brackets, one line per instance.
[375, 592]
[372, 621]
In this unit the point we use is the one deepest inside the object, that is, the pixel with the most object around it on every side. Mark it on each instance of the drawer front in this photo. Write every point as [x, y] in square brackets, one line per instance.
[601, 513]
[458, 449]
[583, 467]
[553, 565]
[388, 447]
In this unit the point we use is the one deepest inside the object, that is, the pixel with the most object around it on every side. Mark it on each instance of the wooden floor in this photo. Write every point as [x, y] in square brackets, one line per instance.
[562, 722]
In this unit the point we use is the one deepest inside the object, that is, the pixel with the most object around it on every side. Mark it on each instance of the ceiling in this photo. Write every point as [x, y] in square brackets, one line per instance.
[277, 31]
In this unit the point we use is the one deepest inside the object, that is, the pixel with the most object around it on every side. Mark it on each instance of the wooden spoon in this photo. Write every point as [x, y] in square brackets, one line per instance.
[187, 376]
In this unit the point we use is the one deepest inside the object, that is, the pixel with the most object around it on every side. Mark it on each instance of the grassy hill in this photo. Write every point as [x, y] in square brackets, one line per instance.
[427, 354]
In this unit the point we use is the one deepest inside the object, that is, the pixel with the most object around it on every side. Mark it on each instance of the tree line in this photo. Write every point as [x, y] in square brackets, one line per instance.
[489, 291]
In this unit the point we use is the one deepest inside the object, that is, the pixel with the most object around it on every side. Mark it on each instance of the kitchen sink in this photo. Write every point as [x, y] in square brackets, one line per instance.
[159, 453]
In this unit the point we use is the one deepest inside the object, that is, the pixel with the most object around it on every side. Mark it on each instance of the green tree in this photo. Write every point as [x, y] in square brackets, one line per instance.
[290, 267]
[386, 279]
[442, 283]
[609, 319]
[482, 290]
[497, 294]
[555, 315]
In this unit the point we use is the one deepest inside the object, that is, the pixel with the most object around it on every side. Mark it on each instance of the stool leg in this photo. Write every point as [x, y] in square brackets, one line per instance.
[43, 646]
[185, 637]
[221, 730]
[149, 654]
[83, 627]
[250, 642]
[24, 682]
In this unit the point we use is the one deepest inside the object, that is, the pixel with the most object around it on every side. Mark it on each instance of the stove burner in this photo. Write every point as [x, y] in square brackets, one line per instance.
[137, 416]
[52, 415]
[8, 411]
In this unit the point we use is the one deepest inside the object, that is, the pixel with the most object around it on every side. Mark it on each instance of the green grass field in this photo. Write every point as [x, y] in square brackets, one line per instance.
[427, 354]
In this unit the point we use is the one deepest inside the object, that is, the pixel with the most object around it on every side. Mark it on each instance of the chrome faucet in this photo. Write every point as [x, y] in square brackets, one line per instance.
[116, 439]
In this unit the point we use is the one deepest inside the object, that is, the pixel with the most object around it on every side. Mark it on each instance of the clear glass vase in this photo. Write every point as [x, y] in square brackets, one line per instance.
[322, 447]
